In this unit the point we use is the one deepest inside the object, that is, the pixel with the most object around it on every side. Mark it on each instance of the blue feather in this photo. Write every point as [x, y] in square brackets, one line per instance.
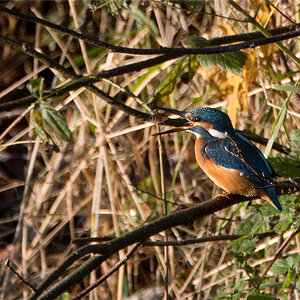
[231, 150]
[236, 152]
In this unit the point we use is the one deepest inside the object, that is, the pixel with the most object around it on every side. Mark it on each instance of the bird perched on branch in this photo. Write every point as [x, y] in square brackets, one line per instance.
[229, 159]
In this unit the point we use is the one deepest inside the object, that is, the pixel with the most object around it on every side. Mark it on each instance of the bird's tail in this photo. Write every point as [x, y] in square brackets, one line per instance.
[269, 195]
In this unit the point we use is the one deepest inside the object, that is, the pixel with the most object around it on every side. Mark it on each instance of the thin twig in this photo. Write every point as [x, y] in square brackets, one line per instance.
[8, 264]
[283, 246]
[217, 238]
[108, 274]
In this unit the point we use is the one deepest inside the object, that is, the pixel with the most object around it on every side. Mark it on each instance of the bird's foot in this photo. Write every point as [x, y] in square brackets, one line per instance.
[226, 195]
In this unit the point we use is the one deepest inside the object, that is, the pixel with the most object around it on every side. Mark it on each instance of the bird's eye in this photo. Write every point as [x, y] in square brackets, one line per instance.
[196, 119]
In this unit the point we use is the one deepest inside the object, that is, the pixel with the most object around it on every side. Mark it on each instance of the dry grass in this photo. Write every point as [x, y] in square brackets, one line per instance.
[90, 187]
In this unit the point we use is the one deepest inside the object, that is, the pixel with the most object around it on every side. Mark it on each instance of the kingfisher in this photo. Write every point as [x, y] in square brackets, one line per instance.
[229, 159]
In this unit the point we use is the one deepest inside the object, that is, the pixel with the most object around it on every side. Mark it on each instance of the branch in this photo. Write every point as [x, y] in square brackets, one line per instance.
[80, 80]
[214, 238]
[279, 252]
[139, 235]
[26, 282]
[186, 216]
[108, 274]
[69, 74]
[163, 50]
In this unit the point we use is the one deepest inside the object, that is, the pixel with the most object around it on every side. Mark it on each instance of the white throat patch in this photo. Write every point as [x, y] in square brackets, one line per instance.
[217, 133]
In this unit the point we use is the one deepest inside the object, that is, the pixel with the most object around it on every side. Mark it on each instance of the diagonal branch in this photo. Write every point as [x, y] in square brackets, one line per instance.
[108, 274]
[80, 80]
[139, 235]
[162, 50]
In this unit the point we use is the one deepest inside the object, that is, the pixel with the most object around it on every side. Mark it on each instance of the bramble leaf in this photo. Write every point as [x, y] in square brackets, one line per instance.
[287, 166]
[259, 296]
[195, 42]
[280, 266]
[54, 121]
[298, 285]
[284, 224]
[232, 61]
[295, 142]
[253, 224]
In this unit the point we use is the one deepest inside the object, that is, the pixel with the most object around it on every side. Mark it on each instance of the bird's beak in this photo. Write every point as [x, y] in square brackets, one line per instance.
[182, 114]
[175, 112]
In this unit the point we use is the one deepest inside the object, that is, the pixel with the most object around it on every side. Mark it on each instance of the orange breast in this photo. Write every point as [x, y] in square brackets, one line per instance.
[228, 179]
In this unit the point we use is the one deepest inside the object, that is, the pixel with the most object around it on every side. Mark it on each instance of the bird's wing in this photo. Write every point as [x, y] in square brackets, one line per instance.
[227, 153]
[254, 156]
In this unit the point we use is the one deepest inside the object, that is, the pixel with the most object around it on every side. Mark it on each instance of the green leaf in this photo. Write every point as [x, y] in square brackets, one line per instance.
[275, 285]
[244, 247]
[143, 20]
[296, 262]
[39, 130]
[293, 262]
[295, 142]
[36, 87]
[289, 278]
[253, 224]
[111, 6]
[64, 296]
[266, 210]
[287, 88]
[235, 244]
[287, 166]
[277, 124]
[297, 225]
[285, 224]
[192, 67]
[54, 121]
[240, 284]
[195, 42]
[167, 85]
[232, 61]
[298, 285]
[259, 296]
[280, 266]
[187, 2]
[282, 76]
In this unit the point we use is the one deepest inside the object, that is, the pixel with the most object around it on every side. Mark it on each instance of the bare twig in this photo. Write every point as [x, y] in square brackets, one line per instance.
[108, 274]
[284, 245]
[217, 238]
[8, 264]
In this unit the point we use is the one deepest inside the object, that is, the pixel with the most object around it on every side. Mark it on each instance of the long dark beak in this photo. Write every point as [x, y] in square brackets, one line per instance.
[178, 113]
[174, 111]
[169, 131]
